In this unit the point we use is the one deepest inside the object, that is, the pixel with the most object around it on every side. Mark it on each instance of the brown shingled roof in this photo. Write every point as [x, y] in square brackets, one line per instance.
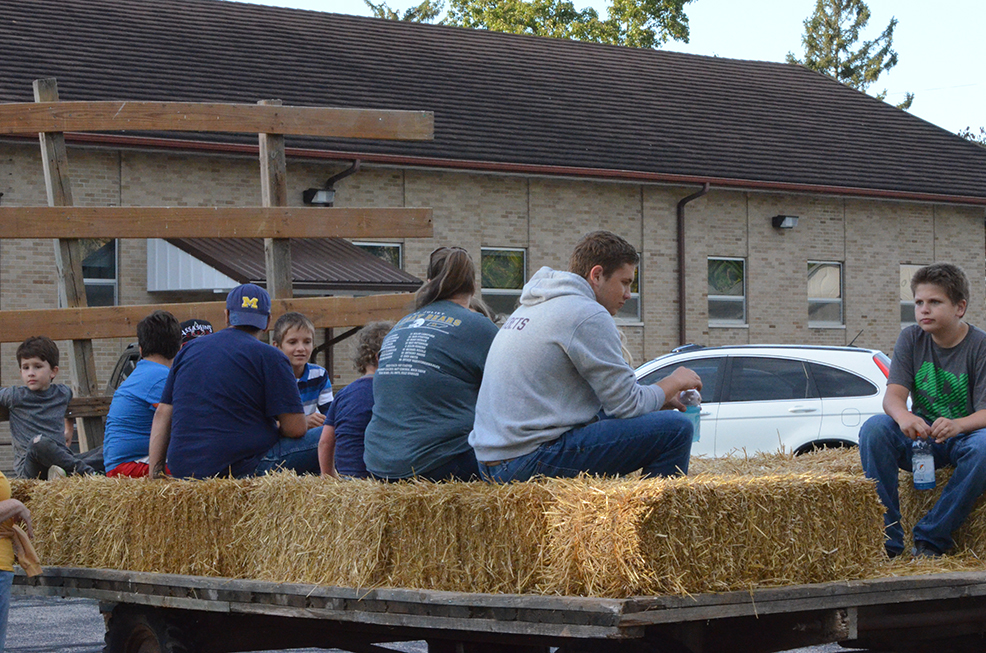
[322, 264]
[501, 101]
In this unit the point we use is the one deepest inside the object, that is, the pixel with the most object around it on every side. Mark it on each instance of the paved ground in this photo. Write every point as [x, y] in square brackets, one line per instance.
[43, 624]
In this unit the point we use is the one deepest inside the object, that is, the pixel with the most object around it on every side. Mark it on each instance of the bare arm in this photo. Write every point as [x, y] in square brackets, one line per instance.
[292, 425]
[895, 405]
[160, 438]
[327, 451]
[14, 509]
[676, 382]
[315, 419]
[69, 432]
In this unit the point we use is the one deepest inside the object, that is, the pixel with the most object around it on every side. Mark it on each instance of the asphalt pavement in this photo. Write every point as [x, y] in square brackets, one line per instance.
[43, 624]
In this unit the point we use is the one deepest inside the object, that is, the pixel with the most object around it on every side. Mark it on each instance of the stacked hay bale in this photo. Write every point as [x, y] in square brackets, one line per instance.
[715, 531]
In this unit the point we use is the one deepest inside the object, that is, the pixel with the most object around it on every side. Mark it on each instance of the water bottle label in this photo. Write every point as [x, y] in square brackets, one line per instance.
[924, 472]
[694, 414]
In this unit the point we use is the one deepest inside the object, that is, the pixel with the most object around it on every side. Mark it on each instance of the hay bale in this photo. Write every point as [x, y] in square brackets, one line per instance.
[177, 527]
[970, 538]
[21, 488]
[823, 461]
[600, 537]
[710, 533]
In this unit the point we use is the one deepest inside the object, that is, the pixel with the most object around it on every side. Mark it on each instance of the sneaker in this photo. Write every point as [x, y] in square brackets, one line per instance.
[55, 472]
[926, 550]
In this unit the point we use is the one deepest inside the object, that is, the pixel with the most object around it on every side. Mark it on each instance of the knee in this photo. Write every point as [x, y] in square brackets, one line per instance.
[877, 432]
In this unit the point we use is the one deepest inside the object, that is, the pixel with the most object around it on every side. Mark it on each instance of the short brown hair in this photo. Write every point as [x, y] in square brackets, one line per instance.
[950, 278]
[159, 333]
[41, 347]
[368, 343]
[602, 248]
[290, 321]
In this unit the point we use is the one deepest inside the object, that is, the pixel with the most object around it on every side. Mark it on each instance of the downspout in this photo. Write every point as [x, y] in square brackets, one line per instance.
[681, 259]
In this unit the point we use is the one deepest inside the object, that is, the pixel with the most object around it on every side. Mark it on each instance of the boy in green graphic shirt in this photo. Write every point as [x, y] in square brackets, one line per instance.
[941, 364]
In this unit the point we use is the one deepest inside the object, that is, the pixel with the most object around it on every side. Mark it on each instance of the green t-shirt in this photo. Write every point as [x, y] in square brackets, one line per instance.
[943, 382]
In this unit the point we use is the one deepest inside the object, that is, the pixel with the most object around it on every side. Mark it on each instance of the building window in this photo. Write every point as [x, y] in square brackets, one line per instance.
[630, 312]
[824, 294]
[906, 296]
[392, 253]
[99, 267]
[727, 291]
[503, 272]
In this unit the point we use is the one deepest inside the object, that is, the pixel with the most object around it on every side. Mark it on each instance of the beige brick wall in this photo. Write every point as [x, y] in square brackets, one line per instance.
[546, 217]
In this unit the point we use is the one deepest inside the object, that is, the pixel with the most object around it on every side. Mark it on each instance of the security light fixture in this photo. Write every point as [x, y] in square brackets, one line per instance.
[326, 195]
[784, 221]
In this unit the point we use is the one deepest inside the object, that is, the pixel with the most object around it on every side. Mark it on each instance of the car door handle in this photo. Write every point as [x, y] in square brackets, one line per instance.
[802, 409]
[705, 413]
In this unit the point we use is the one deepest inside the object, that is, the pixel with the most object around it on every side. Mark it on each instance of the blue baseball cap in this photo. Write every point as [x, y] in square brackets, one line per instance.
[248, 305]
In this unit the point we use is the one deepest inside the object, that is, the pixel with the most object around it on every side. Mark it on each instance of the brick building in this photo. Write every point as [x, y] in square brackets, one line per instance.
[537, 141]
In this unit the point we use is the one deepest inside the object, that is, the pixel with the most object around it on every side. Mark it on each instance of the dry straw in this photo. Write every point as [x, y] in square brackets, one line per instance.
[719, 530]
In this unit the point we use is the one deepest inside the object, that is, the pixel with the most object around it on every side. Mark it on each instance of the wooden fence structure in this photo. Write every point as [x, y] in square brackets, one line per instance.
[273, 220]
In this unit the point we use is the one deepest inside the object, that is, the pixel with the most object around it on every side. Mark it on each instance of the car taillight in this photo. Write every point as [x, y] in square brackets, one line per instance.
[883, 363]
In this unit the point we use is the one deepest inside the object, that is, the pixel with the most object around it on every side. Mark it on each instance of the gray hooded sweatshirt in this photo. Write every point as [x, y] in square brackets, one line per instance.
[552, 366]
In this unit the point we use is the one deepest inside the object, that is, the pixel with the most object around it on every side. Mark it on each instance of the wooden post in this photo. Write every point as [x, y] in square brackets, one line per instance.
[68, 261]
[274, 192]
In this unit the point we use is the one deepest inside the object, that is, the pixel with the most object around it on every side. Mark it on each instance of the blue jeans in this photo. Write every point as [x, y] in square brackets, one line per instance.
[659, 442]
[461, 468]
[883, 449]
[6, 580]
[299, 454]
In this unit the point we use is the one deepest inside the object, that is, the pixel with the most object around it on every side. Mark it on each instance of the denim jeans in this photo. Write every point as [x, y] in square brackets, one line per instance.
[43, 452]
[6, 580]
[299, 454]
[659, 442]
[883, 449]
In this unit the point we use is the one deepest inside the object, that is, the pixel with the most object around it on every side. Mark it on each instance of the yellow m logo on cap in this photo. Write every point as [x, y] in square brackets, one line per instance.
[249, 302]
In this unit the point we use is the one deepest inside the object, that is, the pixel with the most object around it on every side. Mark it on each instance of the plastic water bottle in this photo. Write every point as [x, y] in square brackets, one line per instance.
[923, 465]
[693, 410]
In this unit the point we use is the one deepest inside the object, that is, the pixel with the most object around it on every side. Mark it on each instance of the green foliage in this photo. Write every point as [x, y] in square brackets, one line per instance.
[633, 23]
[969, 135]
[425, 12]
[830, 40]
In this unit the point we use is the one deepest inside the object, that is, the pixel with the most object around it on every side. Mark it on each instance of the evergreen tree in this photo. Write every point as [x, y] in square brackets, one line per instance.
[830, 41]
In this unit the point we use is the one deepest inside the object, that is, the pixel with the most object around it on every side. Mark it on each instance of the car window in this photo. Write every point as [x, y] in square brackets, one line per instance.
[766, 379]
[833, 382]
[706, 368]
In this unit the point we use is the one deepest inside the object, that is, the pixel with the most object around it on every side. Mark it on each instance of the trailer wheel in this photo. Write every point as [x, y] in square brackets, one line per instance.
[143, 631]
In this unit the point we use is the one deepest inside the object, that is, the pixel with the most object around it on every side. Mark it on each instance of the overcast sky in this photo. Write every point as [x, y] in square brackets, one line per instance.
[939, 45]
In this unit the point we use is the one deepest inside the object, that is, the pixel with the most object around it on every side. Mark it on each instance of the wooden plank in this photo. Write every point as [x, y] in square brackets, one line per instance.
[213, 222]
[54, 116]
[68, 262]
[88, 407]
[97, 323]
[274, 192]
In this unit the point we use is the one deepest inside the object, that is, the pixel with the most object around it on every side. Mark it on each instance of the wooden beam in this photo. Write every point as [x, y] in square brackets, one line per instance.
[102, 322]
[68, 262]
[274, 192]
[212, 222]
[53, 116]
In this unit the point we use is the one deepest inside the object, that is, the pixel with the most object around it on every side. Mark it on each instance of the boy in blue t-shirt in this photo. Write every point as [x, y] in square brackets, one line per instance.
[128, 423]
[40, 432]
[340, 449]
[294, 334]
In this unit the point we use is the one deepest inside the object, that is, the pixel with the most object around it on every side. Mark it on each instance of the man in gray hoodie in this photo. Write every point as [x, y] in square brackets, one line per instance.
[558, 398]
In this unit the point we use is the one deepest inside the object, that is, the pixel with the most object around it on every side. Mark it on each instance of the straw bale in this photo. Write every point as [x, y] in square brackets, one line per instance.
[827, 461]
[122, 523]
[710, 533]
[21, 488]
[914, 504]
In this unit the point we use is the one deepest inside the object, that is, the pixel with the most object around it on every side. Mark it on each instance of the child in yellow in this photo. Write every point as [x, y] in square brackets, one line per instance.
[11, 511]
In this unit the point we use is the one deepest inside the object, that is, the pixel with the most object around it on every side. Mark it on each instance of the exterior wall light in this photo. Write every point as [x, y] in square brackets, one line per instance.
[326, 195]
[784, 221]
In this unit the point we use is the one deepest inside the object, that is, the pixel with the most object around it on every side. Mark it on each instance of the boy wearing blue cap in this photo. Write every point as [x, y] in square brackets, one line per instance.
[230, 406]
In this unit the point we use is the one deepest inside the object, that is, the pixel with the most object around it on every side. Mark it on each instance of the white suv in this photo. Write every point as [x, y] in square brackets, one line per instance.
[765, 398]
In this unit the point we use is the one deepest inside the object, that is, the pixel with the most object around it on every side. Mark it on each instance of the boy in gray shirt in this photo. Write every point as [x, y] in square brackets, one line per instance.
[38, 427]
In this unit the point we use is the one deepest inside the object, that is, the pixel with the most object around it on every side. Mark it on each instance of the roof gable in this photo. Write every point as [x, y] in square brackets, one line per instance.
[500, 100]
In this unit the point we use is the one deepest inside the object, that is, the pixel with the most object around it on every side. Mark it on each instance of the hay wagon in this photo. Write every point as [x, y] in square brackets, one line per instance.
[148, 612]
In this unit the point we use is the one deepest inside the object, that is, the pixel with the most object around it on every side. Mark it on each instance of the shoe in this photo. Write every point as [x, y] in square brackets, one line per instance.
[926, 550]
[892, 553]
[55, 472]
